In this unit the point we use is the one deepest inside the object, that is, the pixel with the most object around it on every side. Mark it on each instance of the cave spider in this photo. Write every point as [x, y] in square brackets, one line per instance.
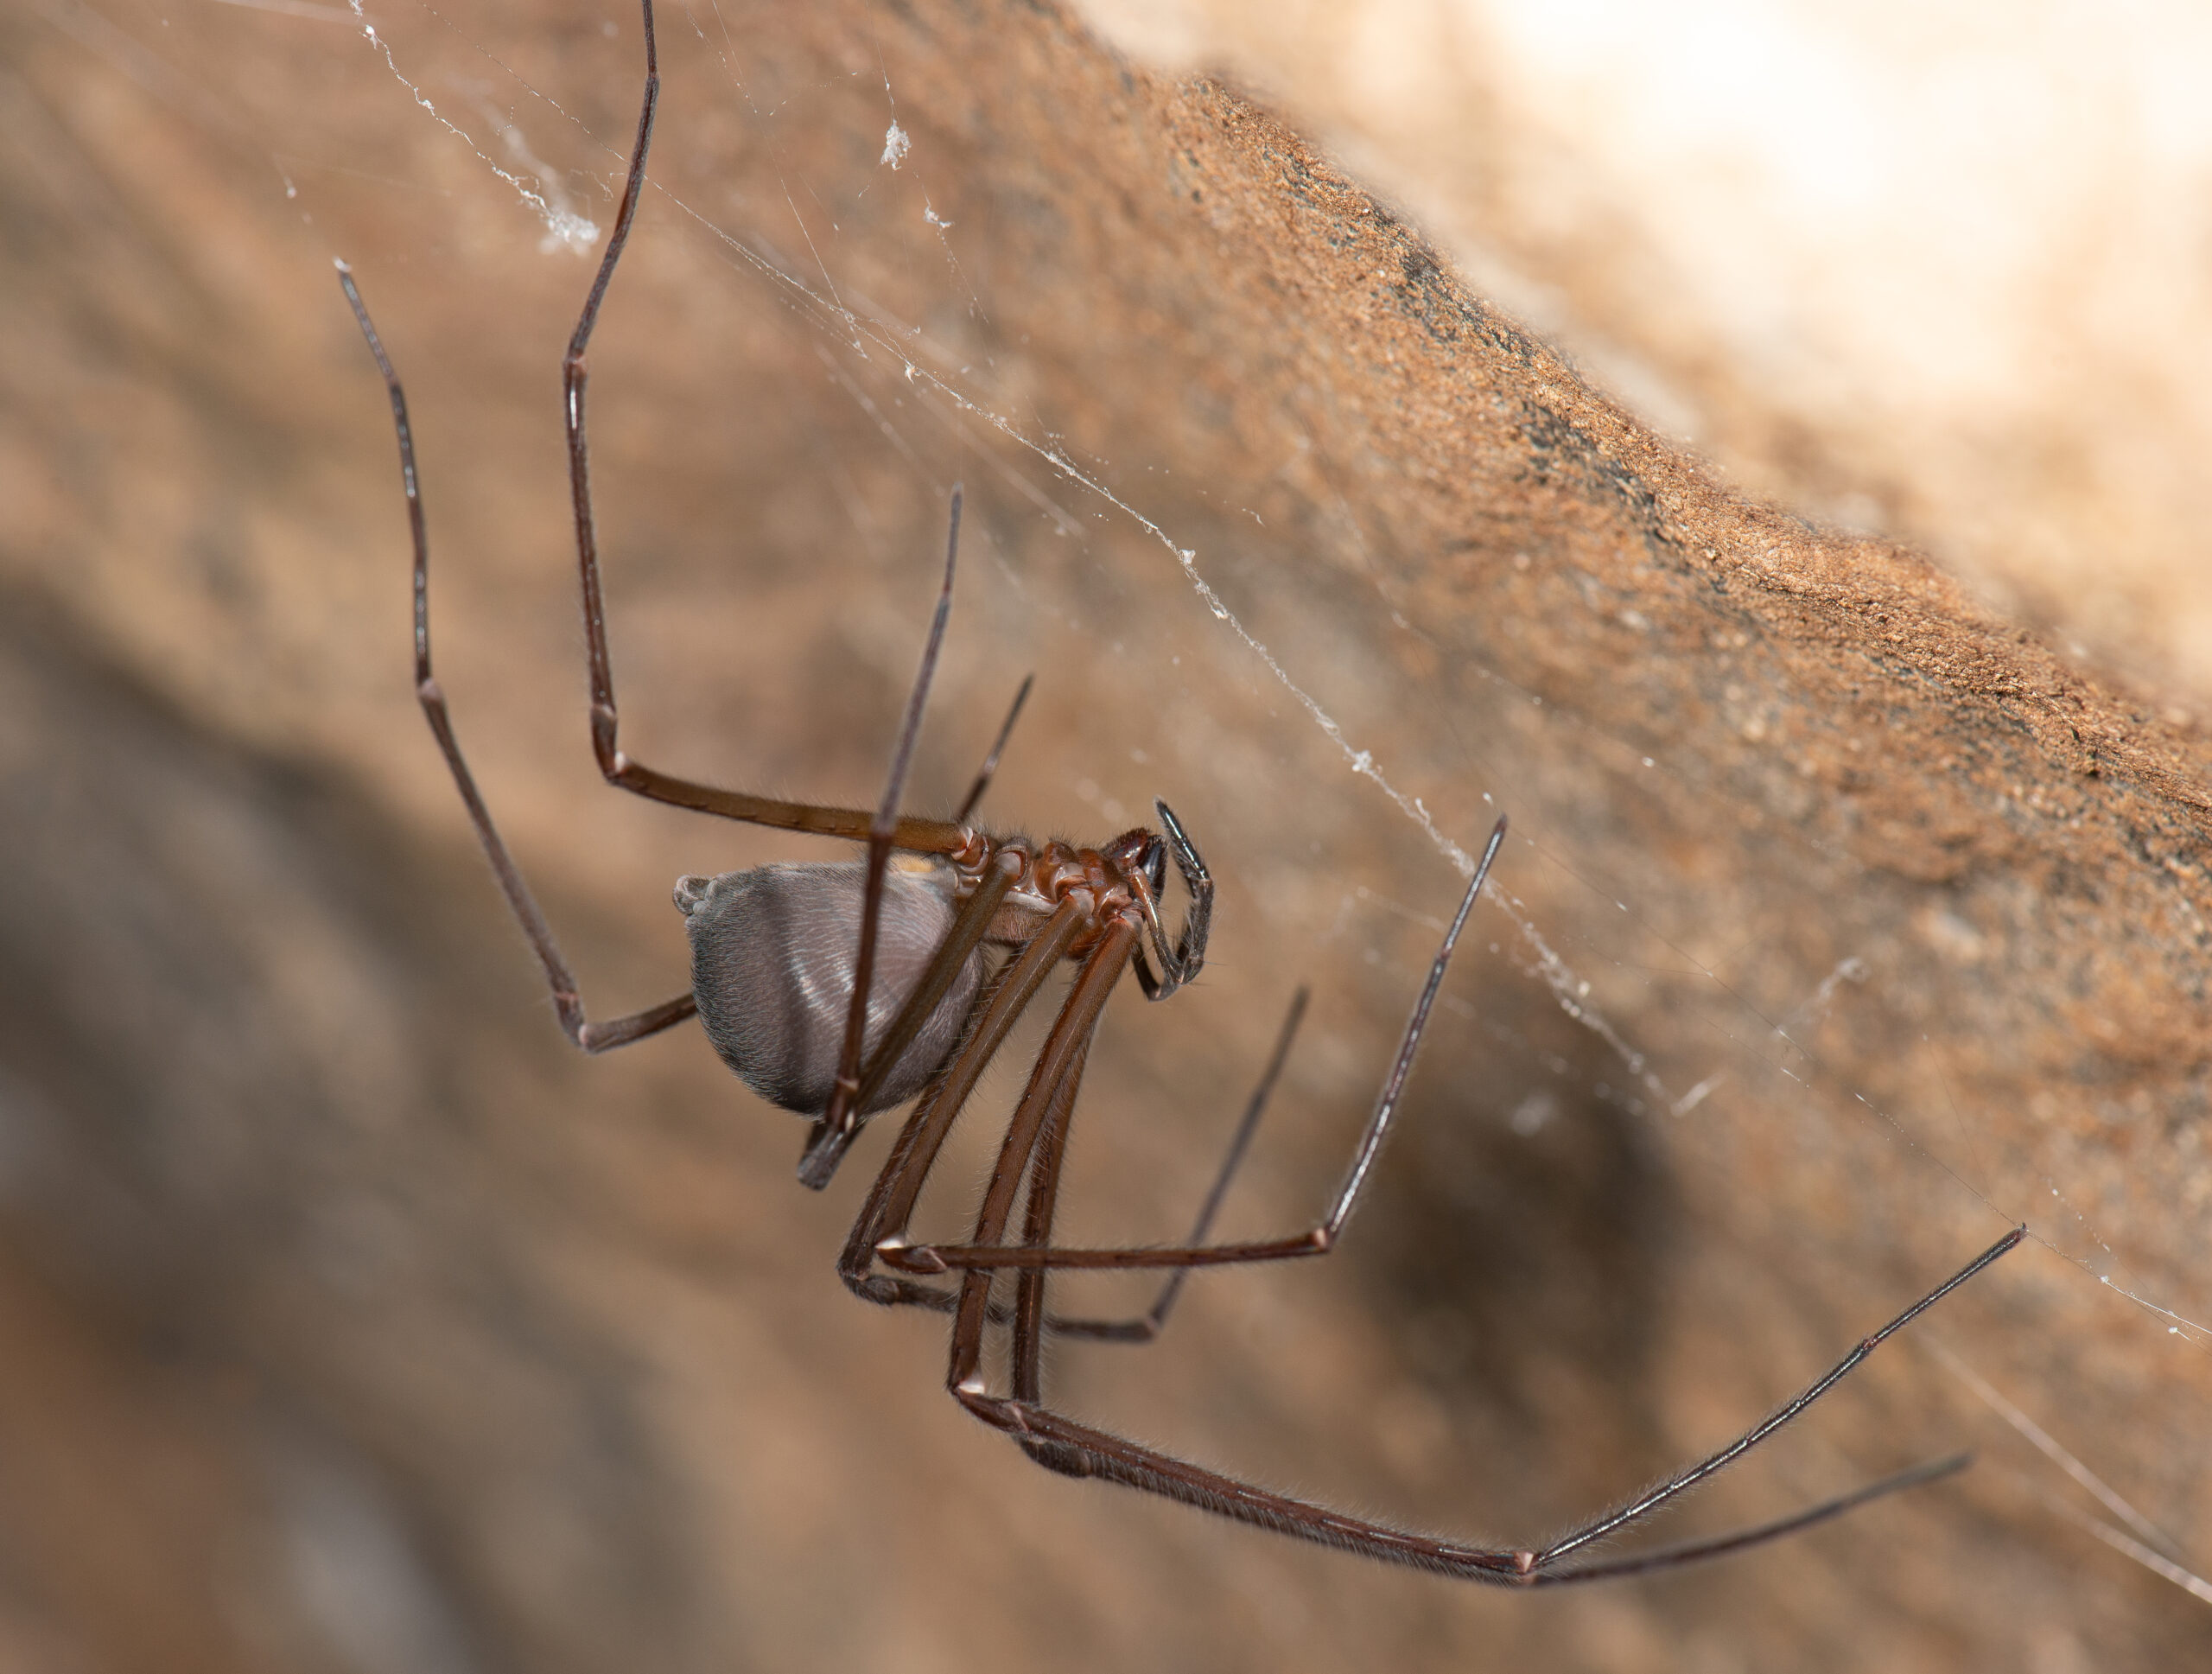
[839, 990]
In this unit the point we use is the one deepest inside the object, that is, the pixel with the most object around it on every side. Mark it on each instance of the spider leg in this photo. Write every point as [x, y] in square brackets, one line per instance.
[1029, 1316]
[841, 1122]
[1149, 1325]
[1051, 1150]
[998, 749]
[968, 928]
[827, 1144]
[1060, 1444]
[829, 1141]
[1038, 1131]
[1600, 1528]
[1316, 1240]
[1758, 1534]
[919, 836]
[890, 1203]
[567, 1004]
[1062, 1055]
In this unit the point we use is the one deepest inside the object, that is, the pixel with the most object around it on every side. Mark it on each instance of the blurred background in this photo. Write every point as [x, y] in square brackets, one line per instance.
[348, 1320]
[1933, 271]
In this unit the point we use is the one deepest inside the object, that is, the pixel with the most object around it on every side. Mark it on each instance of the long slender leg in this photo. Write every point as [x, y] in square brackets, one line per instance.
[1029, 1321]
[975, 914]
[841, 1122]
[567, 1004]
[1145, 1329]
[1600, 1528]
[1075, 1449]
[1029, 1316]
[1065, 1046]
[921, 836]
[968, 928]
[891, 1200]
[1318, 1240]
[1026, 1314]
[1048, 1153]
[998, 749]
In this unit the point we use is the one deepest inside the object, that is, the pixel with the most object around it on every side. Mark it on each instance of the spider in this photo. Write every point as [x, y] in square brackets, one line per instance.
[840, 990]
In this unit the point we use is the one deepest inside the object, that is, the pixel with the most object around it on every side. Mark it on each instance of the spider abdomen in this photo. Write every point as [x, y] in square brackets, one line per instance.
[772, 968]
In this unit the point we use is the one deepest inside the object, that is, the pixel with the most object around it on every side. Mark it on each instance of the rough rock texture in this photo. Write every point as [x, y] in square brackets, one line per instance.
[351, 1322]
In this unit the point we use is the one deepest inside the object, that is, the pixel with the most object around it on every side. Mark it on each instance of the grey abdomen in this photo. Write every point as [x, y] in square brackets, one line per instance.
[772, 967]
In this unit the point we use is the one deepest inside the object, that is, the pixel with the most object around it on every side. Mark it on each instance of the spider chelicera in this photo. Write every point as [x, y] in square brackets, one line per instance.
[839, 990]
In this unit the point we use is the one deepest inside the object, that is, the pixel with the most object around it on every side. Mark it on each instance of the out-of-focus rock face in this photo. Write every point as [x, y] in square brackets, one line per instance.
[1932, 270]
[351, 1322]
